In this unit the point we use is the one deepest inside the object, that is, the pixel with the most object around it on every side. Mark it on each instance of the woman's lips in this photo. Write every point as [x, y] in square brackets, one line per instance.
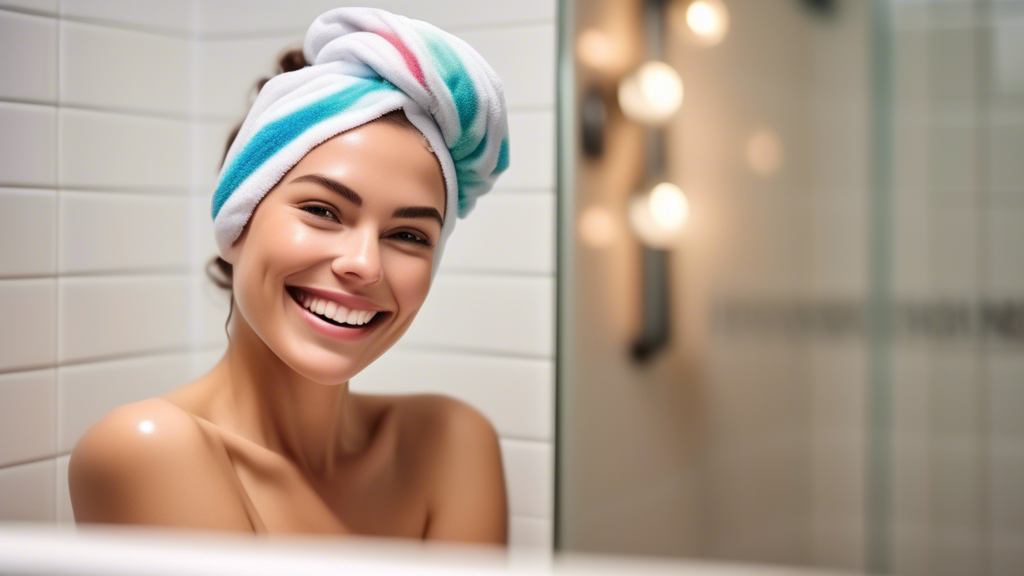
[332, 330]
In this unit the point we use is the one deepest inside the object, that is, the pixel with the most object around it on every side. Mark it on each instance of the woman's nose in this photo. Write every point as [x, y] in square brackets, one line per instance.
[359, 257]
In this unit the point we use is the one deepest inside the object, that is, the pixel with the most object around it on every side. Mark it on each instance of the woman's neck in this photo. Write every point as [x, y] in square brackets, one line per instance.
[315, 425]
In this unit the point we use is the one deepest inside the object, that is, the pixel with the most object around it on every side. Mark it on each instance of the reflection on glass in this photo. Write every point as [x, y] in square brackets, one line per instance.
[595, 49]
[708, 20]
[659, 215]
[652, 94]
[764, 151]
[597, 227]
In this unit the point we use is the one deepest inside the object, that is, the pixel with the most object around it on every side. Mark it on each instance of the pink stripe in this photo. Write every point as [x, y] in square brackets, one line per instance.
[410, 59]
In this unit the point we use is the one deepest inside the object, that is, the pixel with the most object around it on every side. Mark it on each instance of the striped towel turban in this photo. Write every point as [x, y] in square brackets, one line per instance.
[365, 63]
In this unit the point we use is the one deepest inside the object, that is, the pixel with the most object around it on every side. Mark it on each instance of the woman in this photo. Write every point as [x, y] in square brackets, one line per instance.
[330, 215]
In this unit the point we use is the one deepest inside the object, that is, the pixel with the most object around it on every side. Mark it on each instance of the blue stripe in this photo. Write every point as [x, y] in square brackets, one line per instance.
[282, 132]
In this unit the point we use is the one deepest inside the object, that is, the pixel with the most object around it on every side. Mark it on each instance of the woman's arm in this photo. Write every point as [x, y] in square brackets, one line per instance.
[150, 463]
[469, 502]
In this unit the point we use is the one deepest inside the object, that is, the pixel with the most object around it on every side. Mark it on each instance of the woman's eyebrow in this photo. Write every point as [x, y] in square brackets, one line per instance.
[419, 212]
[333, 185]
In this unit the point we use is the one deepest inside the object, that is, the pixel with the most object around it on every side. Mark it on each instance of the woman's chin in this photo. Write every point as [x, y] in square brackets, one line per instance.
[325, 368]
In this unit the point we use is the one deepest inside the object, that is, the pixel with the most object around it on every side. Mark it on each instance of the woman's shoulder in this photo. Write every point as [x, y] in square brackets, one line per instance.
[458, 448]
[147, 426]
[141, 458]
[434, 416]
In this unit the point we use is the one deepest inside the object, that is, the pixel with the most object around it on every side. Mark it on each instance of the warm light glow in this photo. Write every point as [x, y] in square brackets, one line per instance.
[659, 216]
[147, 427]
[597, 227]
[764, 151]
[668, 206]
[708, 21]
[595, 49]
[652, 94]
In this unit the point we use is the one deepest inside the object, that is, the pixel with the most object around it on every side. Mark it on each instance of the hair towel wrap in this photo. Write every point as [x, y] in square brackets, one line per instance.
[364, 63]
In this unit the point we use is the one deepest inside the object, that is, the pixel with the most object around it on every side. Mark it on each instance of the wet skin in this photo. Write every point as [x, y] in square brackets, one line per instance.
[271, 439]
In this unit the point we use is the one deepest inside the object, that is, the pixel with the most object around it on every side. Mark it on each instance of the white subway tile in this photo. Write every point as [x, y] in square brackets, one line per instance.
[103, 150]
[28, 144]
[44, 6]
[209, 143]
[524, 58]
[505, 232]
[112, 316]
[27, 415]
[115, 232]
[28, 230]
[517, 396]
[29, 57]
[160, 14]
[228, 71]
[27, 492]
[232, 16]
[28, 333]
[534, 533]
[530, 477]
[65, 514]
[110, 68]
[209, 311]
[87, 392]
[504, 314]
[204, 246]
[531, 151]
[203, 362]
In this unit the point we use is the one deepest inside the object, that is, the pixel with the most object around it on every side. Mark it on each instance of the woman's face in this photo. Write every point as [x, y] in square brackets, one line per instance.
[349, 232]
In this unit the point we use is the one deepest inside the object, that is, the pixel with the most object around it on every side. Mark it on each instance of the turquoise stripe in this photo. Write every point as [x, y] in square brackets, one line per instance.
[460, 84]
[502, 157]
[279, 133]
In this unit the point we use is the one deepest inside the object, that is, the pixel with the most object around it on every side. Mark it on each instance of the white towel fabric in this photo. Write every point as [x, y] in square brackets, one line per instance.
[365, 63]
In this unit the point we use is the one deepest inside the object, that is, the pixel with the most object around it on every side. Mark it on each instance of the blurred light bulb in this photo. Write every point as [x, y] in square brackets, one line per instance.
[652, 94]
[764, 151]
[597, 228]
[595, 49]
[668, 206]
[708, 20]
[659, 216]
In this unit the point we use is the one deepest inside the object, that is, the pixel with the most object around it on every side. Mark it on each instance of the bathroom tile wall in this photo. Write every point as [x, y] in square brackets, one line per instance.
[96, 140]
[95, 143]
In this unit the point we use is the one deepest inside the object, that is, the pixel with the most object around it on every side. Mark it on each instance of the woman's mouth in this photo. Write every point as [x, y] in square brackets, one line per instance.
[333, 313]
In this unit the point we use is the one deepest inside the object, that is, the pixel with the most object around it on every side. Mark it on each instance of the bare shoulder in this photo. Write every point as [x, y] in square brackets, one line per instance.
[150, 462]
[443, 418]
[460, 451]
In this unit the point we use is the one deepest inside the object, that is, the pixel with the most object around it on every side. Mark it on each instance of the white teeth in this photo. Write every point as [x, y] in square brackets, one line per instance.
[340, 314]
[335, 311]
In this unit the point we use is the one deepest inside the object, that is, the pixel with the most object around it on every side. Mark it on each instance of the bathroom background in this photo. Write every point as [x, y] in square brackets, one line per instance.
[113, 121]
[837, 373]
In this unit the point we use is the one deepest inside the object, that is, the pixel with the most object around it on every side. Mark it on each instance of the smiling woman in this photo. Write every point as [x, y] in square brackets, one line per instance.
[331, 214]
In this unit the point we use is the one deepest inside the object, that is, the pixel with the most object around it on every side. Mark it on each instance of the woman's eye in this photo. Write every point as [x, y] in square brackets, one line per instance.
[321, 211]
[410, 237]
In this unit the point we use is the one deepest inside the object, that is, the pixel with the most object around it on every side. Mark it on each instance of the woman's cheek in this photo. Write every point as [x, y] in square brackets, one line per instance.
[409, 278]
